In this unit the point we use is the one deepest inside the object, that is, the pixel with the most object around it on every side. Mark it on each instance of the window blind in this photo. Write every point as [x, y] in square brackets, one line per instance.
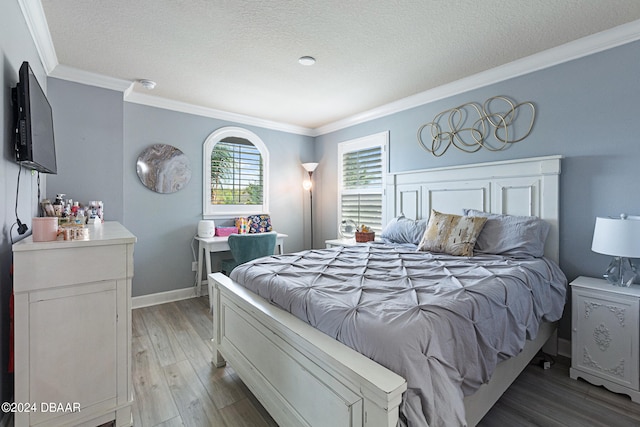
[361, 198]
[362, 169]
[236, 174]
[363, 209]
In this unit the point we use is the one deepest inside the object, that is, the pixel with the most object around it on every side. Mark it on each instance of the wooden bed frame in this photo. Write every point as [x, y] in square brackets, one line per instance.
[305, 378]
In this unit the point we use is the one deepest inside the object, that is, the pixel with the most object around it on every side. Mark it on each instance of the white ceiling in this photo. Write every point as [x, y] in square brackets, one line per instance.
[241, 56]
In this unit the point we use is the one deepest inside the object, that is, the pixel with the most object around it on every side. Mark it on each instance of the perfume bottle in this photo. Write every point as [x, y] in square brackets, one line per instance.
[58, 205]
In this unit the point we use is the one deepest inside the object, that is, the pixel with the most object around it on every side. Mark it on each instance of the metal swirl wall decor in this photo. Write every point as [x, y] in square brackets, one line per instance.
[476, 136]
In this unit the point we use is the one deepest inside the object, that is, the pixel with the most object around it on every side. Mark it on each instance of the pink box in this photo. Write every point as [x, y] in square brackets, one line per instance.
[45, 229]
[225, 231]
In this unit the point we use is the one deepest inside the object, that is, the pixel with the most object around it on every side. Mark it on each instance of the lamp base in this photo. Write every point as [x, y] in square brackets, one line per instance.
[621, 272]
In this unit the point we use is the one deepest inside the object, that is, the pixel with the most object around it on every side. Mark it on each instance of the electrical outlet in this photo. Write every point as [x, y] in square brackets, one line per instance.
[194, 266]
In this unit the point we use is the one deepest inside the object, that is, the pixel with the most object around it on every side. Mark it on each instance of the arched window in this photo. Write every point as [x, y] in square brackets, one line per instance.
[236, 163]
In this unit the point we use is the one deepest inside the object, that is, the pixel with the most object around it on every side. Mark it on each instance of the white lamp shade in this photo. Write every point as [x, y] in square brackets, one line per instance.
[310, 167]
[617, 237]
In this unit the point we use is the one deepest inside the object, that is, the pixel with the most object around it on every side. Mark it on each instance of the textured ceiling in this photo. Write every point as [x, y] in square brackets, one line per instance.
[241, 56]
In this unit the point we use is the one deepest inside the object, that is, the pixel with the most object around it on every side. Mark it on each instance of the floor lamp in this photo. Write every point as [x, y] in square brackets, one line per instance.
[307, 184]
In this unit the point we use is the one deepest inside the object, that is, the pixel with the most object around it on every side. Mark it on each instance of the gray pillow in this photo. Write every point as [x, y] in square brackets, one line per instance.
[404, 230]
[511, 235]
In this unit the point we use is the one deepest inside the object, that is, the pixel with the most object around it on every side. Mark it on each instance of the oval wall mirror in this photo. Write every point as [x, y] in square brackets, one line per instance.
[163, 168]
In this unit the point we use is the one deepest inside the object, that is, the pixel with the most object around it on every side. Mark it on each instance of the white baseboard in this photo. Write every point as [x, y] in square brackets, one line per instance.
[564, 347]
[164, 297]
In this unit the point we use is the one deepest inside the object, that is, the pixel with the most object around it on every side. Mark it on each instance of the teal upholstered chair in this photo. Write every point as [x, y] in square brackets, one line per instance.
[246, 247]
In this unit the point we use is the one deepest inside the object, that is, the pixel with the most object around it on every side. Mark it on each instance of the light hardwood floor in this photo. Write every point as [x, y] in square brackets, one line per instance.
[176, 385]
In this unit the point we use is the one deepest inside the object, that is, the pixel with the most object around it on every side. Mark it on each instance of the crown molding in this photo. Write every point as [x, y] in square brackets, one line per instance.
[37, 23]
[184, 107]
[617, 36]
[76, 75]
[582, 47]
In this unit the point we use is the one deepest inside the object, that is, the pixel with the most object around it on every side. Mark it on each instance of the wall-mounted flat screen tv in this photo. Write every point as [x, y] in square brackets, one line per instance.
[35, 145]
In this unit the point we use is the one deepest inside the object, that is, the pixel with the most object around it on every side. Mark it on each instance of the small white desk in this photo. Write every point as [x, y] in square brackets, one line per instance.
[220, 244]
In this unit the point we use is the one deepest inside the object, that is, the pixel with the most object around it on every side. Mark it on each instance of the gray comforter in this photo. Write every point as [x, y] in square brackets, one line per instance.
[441, 322]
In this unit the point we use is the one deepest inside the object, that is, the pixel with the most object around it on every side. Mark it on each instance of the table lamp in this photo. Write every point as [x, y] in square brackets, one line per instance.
[620, 238]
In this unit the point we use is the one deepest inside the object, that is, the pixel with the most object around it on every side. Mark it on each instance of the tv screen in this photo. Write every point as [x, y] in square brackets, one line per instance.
[35, 144]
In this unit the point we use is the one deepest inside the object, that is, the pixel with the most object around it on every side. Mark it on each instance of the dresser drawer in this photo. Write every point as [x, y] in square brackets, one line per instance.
[69, 266]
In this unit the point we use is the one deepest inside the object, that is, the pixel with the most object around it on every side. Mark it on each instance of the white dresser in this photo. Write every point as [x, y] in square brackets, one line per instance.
[605, 335]
[72, 316]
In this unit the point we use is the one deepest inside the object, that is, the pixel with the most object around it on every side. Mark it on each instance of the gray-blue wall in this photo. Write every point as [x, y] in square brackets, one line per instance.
[166, 223]
[99, 138]
[587, 111]
[89, 145]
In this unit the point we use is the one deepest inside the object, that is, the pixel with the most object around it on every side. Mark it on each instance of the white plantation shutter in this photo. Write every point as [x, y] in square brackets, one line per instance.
[362, 172]
[241, 163]
[363, 209]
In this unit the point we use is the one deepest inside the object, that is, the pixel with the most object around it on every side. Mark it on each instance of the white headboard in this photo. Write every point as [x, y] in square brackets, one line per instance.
[516, 187]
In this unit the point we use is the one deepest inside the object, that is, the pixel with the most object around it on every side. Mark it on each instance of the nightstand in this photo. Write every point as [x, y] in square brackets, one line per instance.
[340, 242]
[605, 335]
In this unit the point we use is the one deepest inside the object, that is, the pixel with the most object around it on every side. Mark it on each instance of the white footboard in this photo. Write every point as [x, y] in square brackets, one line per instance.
[300, 375]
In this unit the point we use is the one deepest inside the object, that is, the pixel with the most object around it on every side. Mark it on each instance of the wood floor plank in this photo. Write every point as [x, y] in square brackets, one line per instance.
[503, 415]
[159, 329]
[224, 386]
[243, 414]
[153, 398]
[192, 399]
[574, 407]
[595, 396]
[197, 311]
[192, 346]
[548, 412]
[263, 412]
[550, 397]
[173, 422]
[137, 324]
[554, 402]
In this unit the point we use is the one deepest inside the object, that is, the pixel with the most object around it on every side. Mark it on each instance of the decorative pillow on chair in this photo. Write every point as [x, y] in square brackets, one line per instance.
[259, 223]
[451, 234]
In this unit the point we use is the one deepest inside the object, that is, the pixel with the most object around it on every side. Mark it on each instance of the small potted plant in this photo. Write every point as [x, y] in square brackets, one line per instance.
[364, 234]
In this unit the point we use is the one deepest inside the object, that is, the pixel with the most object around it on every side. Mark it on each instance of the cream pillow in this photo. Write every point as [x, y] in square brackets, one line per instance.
[451, 234]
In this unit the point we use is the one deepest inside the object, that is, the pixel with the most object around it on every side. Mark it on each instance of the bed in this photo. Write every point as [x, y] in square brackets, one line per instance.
[303, 376]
